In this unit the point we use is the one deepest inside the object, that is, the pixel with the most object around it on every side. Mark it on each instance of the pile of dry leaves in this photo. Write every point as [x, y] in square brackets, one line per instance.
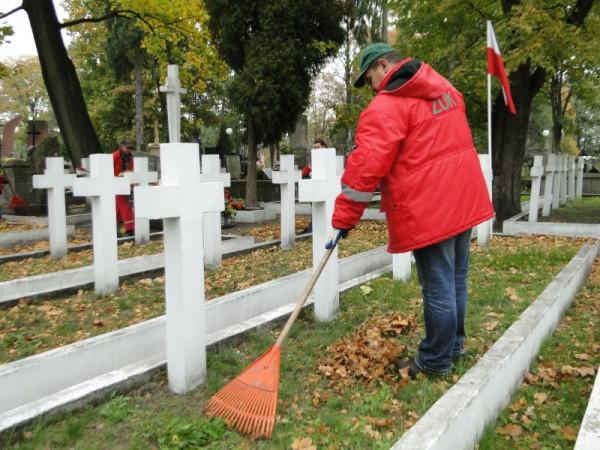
[368, 353]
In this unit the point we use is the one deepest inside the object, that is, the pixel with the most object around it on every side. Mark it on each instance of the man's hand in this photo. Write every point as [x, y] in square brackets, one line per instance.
[340, 234]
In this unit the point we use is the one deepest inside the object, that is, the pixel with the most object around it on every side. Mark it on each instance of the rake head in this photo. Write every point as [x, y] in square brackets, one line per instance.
[248, 403]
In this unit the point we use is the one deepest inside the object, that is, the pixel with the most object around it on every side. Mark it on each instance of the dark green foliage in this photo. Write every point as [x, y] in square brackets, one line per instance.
[274, 48]
[223, 142]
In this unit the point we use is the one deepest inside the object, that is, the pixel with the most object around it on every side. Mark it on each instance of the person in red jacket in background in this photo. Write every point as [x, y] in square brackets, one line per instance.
[319, 143]
[123, 162]
[413, 139]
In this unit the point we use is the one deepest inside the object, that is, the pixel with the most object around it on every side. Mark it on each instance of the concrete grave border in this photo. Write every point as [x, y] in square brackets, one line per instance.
[588, 437]
[38, 384]
[12, 238]
[517, 225]
[457, 420]
[73, 278]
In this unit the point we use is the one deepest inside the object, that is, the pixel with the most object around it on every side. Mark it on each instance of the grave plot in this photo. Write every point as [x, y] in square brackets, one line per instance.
[583, 210]
[325, 399]
[80, 236]
[547, 410]
[34, 326]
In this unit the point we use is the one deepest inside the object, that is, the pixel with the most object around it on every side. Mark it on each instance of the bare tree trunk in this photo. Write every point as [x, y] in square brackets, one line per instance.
[61, 81]
[509, 138]
[251, 167]
[557, 113]
[384, 21]
[139, 107]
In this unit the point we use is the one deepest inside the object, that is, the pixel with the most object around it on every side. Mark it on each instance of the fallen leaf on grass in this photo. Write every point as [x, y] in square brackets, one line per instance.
[569, 433]
[519, 404]
[378, 422]
[582, 356]
[490, 326]
[373, 434]
[511, 293]
[366, 290]
[510, 430]
[540, 397]
[303, 444]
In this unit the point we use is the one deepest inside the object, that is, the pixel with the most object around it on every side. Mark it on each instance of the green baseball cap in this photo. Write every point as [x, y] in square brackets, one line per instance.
[368, 56]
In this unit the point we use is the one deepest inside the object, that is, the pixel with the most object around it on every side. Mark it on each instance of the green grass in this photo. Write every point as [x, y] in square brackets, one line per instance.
[547, 410]
[504, 279]
[583, 210]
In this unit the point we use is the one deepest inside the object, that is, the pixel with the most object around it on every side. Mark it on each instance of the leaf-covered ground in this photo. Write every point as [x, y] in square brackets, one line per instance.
[327, 398]
[11, 227]
[31, 327]
[547, 410]
[80, 236]
[39, 265]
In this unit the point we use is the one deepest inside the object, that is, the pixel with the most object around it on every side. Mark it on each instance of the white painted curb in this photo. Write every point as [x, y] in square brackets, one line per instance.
[458, 419]
[517, 225]
[589, 432]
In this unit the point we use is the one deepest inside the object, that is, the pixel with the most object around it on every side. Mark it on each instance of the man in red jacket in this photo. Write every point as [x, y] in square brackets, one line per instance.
[414, 141]
[123, 162]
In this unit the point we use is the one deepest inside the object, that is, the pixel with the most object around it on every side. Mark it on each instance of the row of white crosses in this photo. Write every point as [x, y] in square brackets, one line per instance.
[563, 181]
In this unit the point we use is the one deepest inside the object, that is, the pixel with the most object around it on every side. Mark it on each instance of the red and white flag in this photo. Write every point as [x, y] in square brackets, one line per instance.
[495, 66]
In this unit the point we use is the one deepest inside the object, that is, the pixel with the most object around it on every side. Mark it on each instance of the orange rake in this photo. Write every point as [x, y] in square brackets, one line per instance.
[248, 403]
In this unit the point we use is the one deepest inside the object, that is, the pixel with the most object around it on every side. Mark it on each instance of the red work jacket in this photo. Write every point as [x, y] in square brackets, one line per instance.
[414, 141]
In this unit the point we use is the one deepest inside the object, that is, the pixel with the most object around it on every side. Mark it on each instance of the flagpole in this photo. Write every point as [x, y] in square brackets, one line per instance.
[489, 114]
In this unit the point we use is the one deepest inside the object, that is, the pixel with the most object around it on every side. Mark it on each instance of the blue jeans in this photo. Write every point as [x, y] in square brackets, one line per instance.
[442, 270]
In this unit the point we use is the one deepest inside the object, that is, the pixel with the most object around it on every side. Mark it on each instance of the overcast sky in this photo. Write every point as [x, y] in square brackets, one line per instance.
[21, 43]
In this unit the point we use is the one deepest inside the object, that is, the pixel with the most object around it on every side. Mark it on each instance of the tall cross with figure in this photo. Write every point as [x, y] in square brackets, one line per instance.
[102, 186]
[173, 90]
[322, 189]
[55, 180]
[211, 171]
[181, 201]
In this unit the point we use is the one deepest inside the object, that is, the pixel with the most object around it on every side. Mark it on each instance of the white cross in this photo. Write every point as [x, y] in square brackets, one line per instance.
[556, 186]
[579, 183]
[55, 180]
[571, 177]
[181, 200]
[537, 170]
[401, 266]
[173, 90]
[321, 190]
[102, 186]
[286, 178]
[484, 230]
[141, 177]
[211, 172]
[549, 184]
[563, 179]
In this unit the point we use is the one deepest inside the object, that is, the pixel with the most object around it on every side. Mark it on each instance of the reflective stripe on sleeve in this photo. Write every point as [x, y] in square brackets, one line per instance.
[357, 196]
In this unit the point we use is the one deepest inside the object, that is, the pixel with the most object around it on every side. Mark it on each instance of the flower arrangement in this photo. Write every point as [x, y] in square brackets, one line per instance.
[232, 204]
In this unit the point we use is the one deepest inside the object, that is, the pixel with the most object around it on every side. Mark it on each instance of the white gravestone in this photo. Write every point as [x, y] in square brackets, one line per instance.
[556, 182]
[141, 177]
[211, 172]
[286, 178]
[401, 266]
[102, 186]
[55, 180]
[322, 189]
[173, 90]
[579, 175]
[537, 170]
[571, 177]
[549, 184]
[563, 179]
[339, 161]
[484, 230]
[181, 200]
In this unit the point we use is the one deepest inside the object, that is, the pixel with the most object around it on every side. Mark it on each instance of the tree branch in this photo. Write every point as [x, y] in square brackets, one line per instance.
[3, 16]
[72, 23]
[579, 13]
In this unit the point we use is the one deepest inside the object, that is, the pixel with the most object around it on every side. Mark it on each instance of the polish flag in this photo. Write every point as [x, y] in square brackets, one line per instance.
[495, 66]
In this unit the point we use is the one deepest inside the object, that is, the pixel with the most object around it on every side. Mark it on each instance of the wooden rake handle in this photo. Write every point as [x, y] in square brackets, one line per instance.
[307, 290]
